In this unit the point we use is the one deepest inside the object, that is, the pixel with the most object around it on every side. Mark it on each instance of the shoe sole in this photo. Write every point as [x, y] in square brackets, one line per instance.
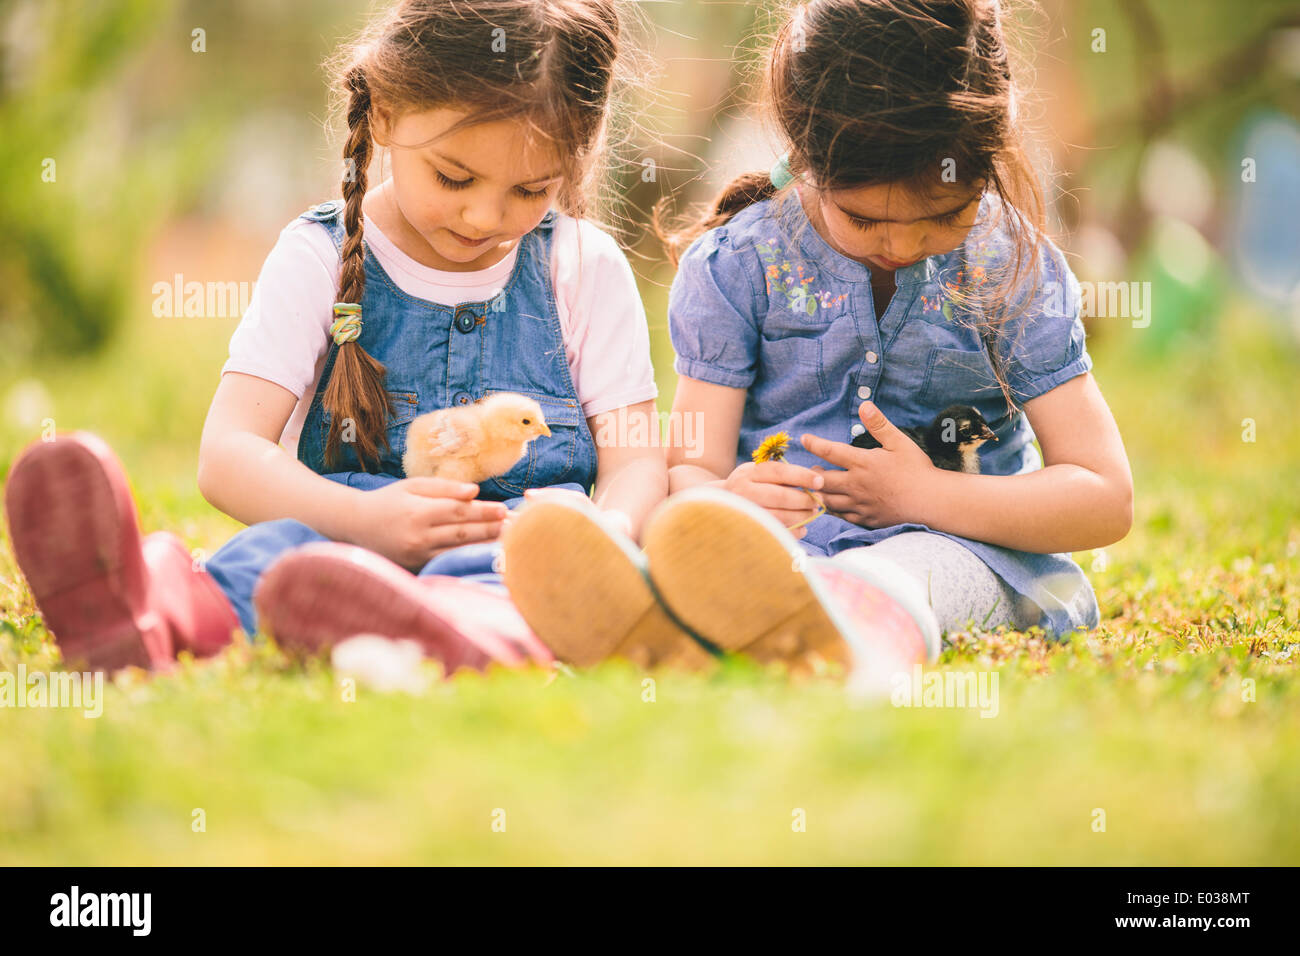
[324, 592]
[731, 572]
[582, 588]
[75, 535]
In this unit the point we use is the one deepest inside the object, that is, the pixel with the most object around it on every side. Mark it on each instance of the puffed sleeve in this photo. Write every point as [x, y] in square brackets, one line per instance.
[712, 309]
[1044, 346]
[285, 330]
[607, 339]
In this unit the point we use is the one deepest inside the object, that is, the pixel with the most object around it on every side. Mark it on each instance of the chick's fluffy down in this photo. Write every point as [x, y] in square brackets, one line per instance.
[475, 442]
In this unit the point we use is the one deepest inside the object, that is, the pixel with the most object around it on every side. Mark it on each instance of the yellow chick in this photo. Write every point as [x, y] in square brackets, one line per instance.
[475, 442]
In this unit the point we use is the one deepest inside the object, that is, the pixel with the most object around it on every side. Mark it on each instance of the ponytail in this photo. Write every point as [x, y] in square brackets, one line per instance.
[741, 193]
[355, 394]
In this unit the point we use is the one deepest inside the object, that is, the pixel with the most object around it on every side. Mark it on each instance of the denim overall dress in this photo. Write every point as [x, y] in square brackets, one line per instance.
[439, 356]
[764, 303]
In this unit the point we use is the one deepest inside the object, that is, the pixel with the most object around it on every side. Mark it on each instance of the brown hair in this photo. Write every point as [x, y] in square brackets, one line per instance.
[868, 92]
[548, 63]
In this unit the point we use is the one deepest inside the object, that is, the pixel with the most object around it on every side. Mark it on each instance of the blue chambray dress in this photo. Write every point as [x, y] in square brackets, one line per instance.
[766, 304]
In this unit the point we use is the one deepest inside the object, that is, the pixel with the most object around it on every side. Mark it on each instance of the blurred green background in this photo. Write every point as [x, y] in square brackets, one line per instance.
[150, 138]
[128, 158]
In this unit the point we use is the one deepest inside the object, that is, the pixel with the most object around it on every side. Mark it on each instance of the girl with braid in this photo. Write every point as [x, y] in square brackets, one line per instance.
[468, 270]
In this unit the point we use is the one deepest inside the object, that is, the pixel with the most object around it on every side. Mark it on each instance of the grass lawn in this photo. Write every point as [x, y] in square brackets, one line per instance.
[1178, 719]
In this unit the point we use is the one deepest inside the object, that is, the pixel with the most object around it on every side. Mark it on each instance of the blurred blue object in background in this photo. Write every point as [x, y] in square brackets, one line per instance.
[1266, 231]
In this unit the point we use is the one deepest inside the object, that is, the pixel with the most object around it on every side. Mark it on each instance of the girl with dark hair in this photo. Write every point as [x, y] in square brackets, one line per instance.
[892, 265]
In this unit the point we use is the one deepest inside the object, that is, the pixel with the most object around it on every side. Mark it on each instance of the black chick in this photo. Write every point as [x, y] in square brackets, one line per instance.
[952, 440]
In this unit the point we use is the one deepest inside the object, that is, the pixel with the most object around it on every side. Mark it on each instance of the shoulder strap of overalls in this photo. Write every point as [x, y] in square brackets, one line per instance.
[542, 235]
[330, 215]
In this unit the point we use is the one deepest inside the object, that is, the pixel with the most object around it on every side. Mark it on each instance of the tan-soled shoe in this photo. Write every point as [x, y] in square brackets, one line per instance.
[581, 584]
[729, 571]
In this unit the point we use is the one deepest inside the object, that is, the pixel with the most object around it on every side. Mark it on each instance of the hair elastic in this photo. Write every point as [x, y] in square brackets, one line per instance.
[781, 175]
[347, 322]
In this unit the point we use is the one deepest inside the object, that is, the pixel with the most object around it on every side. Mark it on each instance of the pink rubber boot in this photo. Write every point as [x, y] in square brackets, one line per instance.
[321, 593]
[109, 598]
[200, 615]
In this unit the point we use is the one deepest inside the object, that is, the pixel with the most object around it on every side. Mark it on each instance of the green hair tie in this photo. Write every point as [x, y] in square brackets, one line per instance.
[781, 175]
[347, 323]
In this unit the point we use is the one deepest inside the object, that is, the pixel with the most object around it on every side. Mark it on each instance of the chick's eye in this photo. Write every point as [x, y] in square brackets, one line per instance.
[528, 421]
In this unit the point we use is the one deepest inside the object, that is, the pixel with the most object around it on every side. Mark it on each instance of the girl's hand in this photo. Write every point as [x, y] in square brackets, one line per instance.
[878, 486]
[412, 520]
[779, 487]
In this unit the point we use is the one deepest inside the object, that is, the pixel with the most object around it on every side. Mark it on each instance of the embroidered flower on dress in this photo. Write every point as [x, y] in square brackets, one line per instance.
[791, 280]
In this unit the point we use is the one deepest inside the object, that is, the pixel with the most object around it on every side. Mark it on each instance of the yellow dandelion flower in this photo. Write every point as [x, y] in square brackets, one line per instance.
[772, 448]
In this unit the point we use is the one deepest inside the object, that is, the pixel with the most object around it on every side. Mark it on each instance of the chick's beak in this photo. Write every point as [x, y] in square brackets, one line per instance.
[986, 433]
[546, 431]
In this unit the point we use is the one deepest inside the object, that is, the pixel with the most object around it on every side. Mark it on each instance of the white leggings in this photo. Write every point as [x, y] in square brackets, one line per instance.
[958, 587]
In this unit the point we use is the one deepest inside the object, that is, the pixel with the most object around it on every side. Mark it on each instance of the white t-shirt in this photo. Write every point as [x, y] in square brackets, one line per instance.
[284, 335]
